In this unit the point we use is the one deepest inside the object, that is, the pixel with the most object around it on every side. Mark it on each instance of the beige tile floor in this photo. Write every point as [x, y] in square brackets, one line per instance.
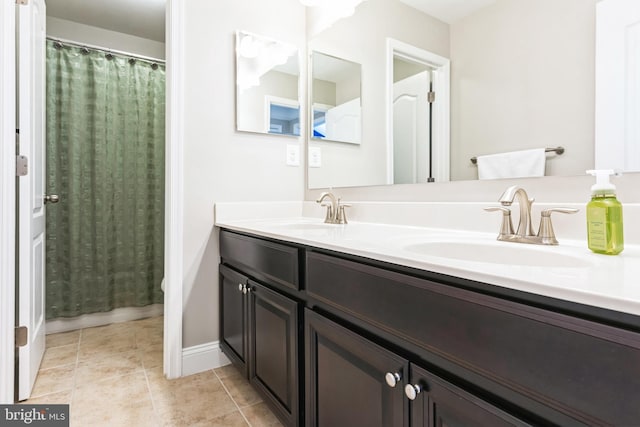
[112, 376]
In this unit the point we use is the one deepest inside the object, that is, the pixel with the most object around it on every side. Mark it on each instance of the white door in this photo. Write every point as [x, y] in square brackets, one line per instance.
[618, 85]
[411, 129]
[31, 209]
[7, 197]
[344, 122]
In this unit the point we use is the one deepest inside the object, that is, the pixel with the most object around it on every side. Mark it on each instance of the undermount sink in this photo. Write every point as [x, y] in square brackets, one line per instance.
[304, 226]
[512, 254]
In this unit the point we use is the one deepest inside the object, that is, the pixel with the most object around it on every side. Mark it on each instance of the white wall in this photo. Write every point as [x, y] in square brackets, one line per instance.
[222, 164]
[73, 31]
[361, 38]
[523, 76]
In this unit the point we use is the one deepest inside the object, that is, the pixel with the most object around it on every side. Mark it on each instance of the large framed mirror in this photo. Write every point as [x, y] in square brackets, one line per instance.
[267, 85]
[522, 77]
[336, 113]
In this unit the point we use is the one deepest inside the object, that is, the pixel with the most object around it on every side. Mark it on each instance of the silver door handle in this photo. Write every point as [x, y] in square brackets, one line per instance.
[51, 198]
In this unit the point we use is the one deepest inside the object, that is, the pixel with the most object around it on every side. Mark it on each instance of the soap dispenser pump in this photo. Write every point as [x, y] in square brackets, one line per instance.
[604, 215]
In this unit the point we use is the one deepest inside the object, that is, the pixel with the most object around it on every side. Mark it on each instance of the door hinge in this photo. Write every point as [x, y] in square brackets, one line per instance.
[22, 165]
[21, 333]
[22, 2]
[431, 97]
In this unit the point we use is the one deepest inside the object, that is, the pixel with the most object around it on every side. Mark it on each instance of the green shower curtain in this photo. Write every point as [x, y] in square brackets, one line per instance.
[105, 158]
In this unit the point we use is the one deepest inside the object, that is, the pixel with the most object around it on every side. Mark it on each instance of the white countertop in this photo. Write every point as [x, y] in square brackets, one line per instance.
[571, 271]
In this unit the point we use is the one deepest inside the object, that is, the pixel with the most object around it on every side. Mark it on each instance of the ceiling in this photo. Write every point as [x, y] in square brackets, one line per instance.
[141, 18]
[145, 18]
[448, 11]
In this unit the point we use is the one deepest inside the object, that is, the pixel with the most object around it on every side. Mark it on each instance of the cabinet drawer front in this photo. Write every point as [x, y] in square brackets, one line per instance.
[588, 371]
[264, 260]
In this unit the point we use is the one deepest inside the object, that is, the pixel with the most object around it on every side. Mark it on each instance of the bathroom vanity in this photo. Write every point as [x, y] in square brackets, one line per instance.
[333, 336]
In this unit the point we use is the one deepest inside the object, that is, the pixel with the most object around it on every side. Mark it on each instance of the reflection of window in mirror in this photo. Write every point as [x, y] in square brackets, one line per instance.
[267, 83]
[283, 116]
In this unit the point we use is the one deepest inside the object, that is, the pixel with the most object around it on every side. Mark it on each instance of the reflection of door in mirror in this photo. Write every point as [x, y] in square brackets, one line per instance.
[411, 137]
[336, 103]
[418, 115]
[267, 81]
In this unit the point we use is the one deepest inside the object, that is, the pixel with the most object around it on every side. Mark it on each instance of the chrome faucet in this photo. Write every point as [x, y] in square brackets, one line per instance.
[335, 210]
[524, 233]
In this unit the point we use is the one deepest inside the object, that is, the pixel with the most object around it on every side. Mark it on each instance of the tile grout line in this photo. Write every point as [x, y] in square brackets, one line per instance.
[41, 370]
[156, 411]
[153, 401]
[232, 399]
[75, 373]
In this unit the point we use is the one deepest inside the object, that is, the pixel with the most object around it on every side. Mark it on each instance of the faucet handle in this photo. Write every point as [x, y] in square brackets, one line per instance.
[329, 216]
[506, 228]
[342, 215]
[547, 212]
[545, 232]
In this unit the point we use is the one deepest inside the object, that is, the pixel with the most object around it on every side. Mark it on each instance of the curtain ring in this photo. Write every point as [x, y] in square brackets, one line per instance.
[109, 56]
[132, 61]
[57, 45]
[84, 50]
[154, 66]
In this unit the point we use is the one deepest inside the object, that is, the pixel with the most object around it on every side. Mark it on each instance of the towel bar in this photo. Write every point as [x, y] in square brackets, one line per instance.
[557, 150]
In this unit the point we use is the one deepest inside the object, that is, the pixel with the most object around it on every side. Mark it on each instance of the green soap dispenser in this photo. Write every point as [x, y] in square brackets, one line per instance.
[604, 215]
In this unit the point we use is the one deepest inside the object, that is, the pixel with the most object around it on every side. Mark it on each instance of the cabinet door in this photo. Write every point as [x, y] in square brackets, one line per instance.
[438, 403]
[233, 317]
[345, 379]
[273, 366]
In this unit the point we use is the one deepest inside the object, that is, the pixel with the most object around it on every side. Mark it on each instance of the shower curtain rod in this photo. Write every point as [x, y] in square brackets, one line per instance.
[106, 50]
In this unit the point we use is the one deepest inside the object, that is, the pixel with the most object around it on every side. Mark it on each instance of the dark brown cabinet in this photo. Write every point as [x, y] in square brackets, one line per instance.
[273, 344]
[353, 381]
[233, 317]
[333, 340]
[346, 379]
[438, 403]
[260, 324]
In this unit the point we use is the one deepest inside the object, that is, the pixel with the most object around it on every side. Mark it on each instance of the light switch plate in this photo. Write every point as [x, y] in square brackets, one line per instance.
[293, 155]
[315, 157]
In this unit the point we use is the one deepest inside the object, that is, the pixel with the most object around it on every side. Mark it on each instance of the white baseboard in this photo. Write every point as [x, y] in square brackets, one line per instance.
[203, 357]
[118, 315]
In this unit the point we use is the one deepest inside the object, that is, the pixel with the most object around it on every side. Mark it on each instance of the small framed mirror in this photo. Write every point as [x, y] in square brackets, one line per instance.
[336, 106]
[267, 85]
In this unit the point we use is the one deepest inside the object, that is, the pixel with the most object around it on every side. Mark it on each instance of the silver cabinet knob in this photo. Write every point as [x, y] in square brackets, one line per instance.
[51, 198]
[412, 391]
[392, 379]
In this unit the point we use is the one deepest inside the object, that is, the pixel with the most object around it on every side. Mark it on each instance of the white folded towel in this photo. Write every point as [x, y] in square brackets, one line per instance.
[513, 164]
